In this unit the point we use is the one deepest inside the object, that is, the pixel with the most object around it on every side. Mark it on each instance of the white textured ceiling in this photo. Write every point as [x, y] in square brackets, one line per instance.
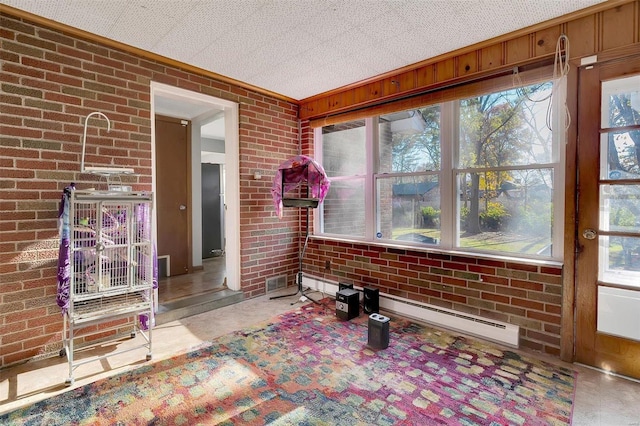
[300, 48]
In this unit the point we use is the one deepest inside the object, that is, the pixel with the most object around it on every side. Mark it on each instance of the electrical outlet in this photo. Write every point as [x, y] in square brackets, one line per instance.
[327, 265]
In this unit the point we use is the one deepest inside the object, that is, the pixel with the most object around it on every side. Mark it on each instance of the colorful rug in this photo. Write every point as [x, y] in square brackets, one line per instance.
[307, 367]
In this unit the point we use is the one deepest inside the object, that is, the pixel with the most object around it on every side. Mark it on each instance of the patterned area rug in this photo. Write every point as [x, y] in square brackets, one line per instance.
[307, 367]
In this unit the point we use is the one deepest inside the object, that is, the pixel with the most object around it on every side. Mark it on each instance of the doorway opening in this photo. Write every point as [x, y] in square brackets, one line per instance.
[206, 273]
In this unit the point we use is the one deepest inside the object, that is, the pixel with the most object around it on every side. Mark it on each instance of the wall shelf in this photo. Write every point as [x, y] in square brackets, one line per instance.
[300, 202]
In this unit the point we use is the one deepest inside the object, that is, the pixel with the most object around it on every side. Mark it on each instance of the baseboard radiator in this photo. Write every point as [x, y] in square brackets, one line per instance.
[496, 331]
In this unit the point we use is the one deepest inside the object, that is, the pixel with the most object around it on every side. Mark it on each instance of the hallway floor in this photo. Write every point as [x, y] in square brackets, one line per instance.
[600, 399]
[212, 277]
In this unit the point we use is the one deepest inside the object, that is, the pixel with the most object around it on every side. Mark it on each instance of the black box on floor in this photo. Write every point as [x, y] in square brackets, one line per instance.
[378, 331]
[347, 304]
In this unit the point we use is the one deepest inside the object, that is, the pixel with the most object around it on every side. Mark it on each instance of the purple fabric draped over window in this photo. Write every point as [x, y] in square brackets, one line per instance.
[299, 169]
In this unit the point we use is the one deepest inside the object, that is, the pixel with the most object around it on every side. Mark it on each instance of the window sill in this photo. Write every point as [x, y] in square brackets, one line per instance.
[438, 250]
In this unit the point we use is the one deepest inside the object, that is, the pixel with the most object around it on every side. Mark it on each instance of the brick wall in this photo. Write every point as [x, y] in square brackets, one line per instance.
[522, 294]
[49, 82]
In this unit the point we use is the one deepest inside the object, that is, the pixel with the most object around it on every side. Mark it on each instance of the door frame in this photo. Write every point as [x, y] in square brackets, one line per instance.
[567, 327]
[232, 187]
[590, 219]
[571, 246]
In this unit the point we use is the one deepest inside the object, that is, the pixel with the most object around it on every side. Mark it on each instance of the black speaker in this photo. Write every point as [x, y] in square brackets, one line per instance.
[347, 304]
[342, 286]
[371, 300]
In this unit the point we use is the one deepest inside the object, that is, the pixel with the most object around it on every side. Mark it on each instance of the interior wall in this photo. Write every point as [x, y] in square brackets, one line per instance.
[213, 152]
[212, 145]
[196, 194]
[50, 82]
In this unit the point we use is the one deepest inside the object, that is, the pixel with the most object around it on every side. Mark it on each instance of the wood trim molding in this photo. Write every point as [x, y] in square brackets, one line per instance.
[493, 83]
[67, 29]
[611, 25]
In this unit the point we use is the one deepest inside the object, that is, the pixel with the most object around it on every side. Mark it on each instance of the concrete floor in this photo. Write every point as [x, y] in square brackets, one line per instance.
[600, 399]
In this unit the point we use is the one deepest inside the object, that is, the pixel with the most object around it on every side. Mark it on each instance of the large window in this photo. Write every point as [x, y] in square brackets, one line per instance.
[344, 149]
[482, 173]
[408, 176]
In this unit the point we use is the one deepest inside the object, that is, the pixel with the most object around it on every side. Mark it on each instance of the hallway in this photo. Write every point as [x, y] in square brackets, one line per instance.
[211, 278]
[204, 290]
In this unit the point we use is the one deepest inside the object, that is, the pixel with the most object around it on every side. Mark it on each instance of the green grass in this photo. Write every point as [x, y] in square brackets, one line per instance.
[494, 241]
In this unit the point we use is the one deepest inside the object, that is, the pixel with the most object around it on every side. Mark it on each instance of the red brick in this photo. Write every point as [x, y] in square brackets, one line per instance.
[528, 285]
[23, 70]
[495, 297]
[454, 266]
[527, 304]
[521, 267]
[536, 346]
[485, 270]
[14, 327]
[454, 297]
[495, 280]
[454, 281]
[550, 270]
[543, 337]
[552, 319]
[553, 309]
[521, 312]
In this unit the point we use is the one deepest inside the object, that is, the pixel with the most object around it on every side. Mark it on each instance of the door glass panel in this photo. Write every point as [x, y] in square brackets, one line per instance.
[619, 261]
[619, 255]
[620, 155]
[619, 312]
[621, 102]
[620, 208]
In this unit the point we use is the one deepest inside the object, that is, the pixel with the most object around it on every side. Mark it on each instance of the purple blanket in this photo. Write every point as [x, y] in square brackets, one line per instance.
[299, 169]
[64, 253]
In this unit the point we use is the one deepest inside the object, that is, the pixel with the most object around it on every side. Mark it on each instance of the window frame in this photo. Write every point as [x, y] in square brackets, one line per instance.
[449, 170]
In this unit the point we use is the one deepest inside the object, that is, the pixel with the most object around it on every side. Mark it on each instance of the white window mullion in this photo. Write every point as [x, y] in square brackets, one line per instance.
[448, 185]
[318, 216]
[559, 110]
[371, 132]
